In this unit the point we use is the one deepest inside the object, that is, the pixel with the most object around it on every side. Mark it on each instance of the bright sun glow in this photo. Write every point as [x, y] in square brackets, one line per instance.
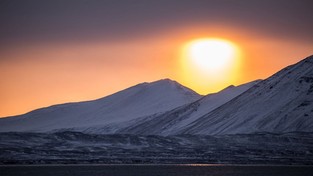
[210, 64]
[211, 54]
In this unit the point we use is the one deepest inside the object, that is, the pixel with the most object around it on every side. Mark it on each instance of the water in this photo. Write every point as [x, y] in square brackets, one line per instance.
[155, 170]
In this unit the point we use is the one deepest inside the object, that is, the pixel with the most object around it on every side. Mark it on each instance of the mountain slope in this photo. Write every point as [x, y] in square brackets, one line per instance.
[138, 101]
[281, 103]
[172, 122]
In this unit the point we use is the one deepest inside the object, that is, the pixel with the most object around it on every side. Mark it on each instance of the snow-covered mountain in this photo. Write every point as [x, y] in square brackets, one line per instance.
[282, 103]
[138, 101]
[172, 122]
[276, 114]
[165, 123]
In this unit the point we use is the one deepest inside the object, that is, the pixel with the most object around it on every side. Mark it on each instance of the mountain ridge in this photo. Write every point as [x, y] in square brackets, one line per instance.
[171, 121]
[136, 101]
[290, 93]
[281, 103]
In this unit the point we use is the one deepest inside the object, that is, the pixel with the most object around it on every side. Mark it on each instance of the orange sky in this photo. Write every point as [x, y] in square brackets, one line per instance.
[57, 73]
[54, 52]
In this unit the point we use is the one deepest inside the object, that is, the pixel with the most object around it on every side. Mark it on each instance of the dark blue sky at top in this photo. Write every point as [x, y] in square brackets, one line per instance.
[70, 20]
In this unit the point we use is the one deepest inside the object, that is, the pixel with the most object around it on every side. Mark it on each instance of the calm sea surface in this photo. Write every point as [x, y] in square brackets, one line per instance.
[155, 170]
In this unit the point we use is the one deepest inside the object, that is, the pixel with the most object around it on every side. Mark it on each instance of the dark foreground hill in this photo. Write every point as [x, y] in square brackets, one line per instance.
[75, 147]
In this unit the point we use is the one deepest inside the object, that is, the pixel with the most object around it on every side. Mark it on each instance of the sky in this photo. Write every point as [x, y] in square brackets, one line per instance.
[57, 51]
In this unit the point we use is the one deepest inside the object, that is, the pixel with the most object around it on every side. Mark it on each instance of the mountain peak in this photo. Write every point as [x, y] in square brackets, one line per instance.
[241, 87]
[138, 101]
[168, 80]
[161, 82]
[228, 87]
[165, 81]
[169, 84]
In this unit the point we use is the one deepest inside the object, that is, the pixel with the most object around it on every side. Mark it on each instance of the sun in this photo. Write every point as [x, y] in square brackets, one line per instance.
[211, 54]
[210, 64]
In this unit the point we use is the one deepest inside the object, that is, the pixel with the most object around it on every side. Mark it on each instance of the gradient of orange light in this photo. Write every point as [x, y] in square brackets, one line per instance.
[261, 56]
[208, 80]
[57, 74]
[44, 74]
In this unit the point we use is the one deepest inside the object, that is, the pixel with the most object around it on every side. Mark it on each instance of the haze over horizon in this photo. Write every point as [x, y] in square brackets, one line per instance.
[54, 52]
